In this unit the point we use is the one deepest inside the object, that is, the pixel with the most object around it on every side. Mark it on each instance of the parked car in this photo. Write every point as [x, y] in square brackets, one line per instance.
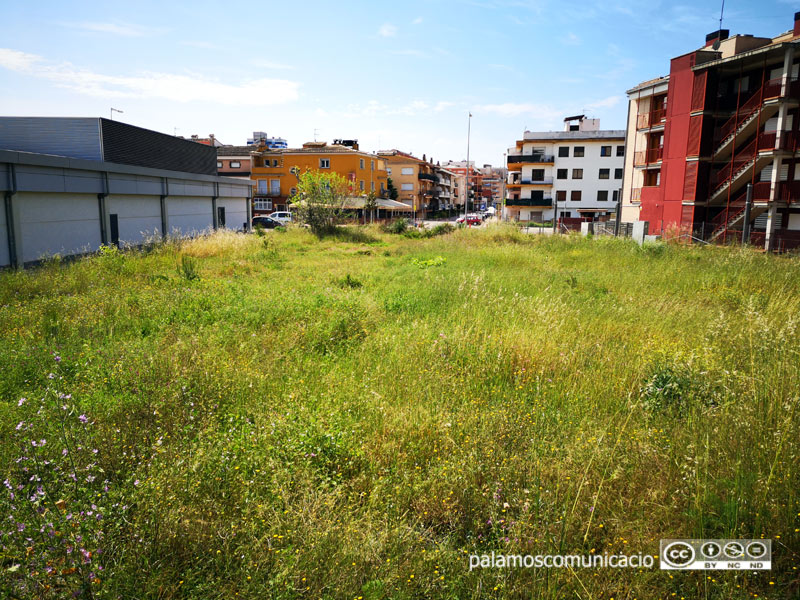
[266, 223]
[471, 219]
[284, 217]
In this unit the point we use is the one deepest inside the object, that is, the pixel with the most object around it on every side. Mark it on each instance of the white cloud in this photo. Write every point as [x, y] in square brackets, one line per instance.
[417, 21]
[150, 84]
[516, 109]
[387, 30]
[116, 28]
[200, 44]
[571, 40]
[413, 108]
[410, 52]
[443, 105]
[609, 102]
[268, 64]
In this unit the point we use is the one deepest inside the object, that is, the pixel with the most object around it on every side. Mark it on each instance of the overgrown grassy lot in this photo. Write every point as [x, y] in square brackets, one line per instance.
[279, 416]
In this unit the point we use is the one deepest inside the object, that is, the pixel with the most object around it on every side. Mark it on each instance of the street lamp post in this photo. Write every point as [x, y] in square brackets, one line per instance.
[466, 196]
[112, 111]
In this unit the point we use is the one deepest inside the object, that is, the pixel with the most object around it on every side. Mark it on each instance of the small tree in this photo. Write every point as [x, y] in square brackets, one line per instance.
[392, 190]
[320, 200]
[370, 204]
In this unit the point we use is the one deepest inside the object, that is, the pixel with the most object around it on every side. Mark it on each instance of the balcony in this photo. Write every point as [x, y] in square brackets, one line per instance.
[428, 177]
[527, 181]
[545, 202]
[647, 157]
[651, 119]
[530, 158]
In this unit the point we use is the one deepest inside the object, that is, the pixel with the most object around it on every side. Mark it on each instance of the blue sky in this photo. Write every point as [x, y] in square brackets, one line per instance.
[394, 75]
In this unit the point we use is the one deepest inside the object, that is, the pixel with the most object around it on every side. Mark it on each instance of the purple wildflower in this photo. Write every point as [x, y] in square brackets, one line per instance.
[83, 419]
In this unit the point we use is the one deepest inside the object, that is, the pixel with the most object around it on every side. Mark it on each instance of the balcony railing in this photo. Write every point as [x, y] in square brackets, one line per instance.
[529, 181]
[267, 194]
[428, 177]
[546, 201]
[646, 157]
[530, 158]
[650, 119]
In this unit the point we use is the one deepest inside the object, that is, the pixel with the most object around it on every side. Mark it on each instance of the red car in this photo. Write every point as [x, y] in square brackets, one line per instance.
[471, 220]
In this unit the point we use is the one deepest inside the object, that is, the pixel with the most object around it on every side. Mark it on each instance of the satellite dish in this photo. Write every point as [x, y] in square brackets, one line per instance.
[715, 45]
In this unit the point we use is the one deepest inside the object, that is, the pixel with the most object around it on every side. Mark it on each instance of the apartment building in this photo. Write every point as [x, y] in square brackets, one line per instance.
[234, 161]
[462, 169]
[260, 138]
[493, 186]
[724, 117]
[576, 173]
[276, 171]
[446, 186]
[415, 180]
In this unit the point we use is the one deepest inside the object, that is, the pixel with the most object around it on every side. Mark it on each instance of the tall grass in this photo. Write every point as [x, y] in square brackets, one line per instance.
[356, 415]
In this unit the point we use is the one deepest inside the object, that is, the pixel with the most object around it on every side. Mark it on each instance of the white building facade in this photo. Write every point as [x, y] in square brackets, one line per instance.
[574, 173]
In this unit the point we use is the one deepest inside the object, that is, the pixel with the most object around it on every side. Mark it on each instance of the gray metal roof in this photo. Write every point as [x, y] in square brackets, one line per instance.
[605, 134]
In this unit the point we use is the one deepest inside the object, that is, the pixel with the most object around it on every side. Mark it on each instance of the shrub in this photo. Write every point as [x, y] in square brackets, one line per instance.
[398, 226]
[188, 268]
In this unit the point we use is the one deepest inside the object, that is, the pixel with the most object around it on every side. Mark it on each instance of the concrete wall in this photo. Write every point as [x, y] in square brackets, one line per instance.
[139, 217]
[57, 224]
[235, 212]
[188, 215]
[5, 259]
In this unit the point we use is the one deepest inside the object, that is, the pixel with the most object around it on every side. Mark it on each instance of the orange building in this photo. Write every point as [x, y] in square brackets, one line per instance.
[275, 172]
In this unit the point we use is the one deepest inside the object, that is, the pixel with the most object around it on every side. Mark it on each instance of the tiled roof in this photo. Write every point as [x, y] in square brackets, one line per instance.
[235, 150]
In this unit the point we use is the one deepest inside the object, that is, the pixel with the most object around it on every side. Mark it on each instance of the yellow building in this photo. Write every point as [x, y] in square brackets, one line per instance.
[414, 179]
[275, 172]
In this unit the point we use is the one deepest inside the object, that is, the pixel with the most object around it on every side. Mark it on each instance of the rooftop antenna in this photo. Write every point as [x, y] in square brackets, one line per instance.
[316, 131]
[715, 45]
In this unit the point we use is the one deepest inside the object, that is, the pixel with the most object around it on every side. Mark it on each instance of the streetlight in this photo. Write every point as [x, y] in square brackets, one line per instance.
[466, 196]
[112, 111]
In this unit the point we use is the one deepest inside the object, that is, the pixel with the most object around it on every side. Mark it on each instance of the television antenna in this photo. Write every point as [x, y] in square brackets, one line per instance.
[715, 45]
[316, 132]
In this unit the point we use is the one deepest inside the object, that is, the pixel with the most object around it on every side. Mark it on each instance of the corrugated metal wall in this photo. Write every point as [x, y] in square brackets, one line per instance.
[129, 145]
[72, 137]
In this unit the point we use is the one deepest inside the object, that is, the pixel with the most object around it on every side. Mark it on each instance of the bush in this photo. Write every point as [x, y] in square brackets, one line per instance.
[399, 226]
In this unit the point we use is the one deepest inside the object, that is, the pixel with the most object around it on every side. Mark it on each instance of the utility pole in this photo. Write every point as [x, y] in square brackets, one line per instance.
[748, 206]
[466, 197]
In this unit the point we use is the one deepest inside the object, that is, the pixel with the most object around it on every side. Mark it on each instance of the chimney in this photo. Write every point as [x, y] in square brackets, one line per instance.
[718, 35]
[797, 23]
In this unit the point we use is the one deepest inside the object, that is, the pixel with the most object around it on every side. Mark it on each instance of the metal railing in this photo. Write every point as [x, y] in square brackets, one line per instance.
[530, 158]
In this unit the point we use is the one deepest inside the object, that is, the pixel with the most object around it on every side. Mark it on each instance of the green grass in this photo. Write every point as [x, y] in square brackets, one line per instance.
[281, 416]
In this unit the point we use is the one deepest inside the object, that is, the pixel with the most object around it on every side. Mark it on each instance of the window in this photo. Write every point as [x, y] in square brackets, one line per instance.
[561, 173]
[235, 164]
[293, 191]
[407, 171]
[575, 195]
[372, 165]
[565, 214]
[620, 150]
[261, 186]
[324, 163]
[605, 150]
[561, 195]
[361, 163]
[604, 173]
[615, 196]
[577, 151]
[617, 173]
[274, 187]
[563, 151]
[361, 185]
[219, 164]
[407, 187]
[602, 195]
[275, 162]
[262, 204]
[383, 189]
[372, 186]
[577, 173]
[537, 174]
[388, 170]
